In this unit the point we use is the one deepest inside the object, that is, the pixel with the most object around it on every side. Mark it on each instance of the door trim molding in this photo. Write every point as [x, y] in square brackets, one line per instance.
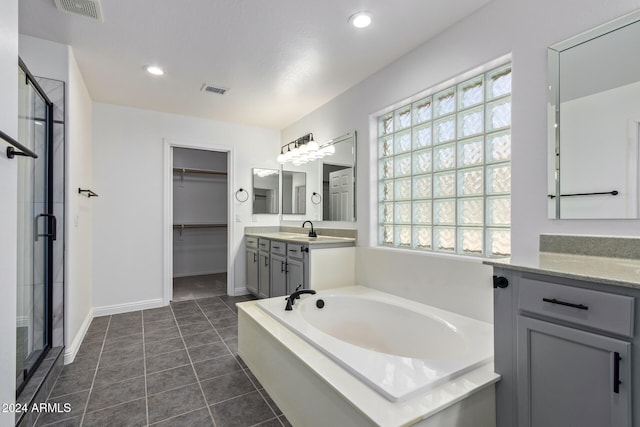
[167, 229]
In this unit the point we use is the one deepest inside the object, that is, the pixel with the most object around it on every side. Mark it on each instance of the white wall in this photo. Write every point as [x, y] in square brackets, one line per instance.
[524, 29]
[79, 208]
[128, 173]
[8, 207]
[56, 61]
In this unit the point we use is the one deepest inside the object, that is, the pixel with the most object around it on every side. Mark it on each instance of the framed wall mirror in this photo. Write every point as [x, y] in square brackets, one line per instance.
[594, 123]
[330, 190]
[294, 193]
[266, 184]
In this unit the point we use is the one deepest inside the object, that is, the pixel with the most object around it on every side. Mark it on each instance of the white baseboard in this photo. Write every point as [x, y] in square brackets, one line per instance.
[71, 350]
[107, 310]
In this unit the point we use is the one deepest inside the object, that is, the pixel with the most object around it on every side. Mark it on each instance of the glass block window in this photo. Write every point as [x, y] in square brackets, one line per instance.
[444, 170]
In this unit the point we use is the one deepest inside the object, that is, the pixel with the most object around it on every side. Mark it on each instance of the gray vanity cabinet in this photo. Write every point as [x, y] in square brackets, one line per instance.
[251, 250]
[287, 268]
[278, 268]
[564, 351]
[295, 267]
[567, 377]
[264, 263]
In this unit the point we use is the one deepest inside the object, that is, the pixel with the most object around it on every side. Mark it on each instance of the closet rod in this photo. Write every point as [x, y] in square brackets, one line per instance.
[200, 171]
[184, 226]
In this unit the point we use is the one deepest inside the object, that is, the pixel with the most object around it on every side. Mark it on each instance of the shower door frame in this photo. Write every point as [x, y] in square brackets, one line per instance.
[34, 359]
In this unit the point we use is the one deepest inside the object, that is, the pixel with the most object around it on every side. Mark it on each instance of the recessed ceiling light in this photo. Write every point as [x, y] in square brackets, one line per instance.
[155, 70]
[360, 19]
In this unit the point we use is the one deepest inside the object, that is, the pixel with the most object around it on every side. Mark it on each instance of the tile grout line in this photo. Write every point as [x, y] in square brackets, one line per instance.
[193, 367]
[95, 374]
[243, 369]
[144, 363]
[236, 360]
[216, 329]
[60, 376]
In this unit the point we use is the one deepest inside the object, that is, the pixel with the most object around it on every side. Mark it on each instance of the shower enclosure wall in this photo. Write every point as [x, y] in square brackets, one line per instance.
[36, 227]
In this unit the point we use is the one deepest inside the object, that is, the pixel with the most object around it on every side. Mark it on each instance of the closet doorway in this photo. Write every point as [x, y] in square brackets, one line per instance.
[200, 210]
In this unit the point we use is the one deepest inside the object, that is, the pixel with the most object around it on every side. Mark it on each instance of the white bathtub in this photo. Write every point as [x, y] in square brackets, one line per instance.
[397, 347]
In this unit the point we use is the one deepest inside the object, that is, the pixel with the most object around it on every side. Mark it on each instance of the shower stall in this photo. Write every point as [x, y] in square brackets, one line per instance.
[36, 227]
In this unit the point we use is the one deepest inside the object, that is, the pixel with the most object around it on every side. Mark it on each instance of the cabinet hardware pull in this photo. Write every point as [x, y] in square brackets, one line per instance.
[276, 247]
[616, 372]
[292, 250]
[254, 257]
[567, 304]
[53, 225]
[266, 262]
[281, 266]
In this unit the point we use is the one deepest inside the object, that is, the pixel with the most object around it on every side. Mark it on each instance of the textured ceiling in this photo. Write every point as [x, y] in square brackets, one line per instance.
[281, 59]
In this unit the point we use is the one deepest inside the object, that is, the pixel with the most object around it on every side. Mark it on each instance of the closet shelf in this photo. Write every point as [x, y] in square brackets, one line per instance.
[185, 226]
[199, 171]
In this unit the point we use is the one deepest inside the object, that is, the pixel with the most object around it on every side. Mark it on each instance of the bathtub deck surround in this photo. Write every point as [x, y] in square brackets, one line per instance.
[292, 369]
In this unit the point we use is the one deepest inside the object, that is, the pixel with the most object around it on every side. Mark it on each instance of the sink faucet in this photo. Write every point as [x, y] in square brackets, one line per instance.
[312, 233]
[291, 299]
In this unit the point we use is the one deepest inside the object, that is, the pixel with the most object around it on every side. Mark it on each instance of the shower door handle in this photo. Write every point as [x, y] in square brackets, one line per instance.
[53, 225]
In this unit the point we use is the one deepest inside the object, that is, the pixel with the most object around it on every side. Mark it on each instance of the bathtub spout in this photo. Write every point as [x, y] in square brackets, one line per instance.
[291, 299]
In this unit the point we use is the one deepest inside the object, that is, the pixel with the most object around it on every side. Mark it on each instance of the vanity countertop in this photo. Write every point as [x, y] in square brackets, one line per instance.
[319, 241]
[607, 270]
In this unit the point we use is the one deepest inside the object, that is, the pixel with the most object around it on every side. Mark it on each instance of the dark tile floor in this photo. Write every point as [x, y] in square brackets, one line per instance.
[169, 366]
[203, 286]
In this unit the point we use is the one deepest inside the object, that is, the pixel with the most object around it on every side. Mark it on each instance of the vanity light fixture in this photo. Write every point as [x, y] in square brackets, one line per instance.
[360, 19]
[305, 149]
[154, 69]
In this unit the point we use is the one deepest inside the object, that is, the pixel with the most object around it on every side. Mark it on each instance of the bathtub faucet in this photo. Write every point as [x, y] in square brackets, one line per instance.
[312, 233]
[291, 299]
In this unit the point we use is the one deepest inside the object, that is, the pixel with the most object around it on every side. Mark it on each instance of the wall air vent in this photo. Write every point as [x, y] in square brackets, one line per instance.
[88, 8]
[213, 89]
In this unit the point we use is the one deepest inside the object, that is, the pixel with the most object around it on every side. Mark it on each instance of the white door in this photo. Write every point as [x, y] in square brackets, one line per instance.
[341, 195]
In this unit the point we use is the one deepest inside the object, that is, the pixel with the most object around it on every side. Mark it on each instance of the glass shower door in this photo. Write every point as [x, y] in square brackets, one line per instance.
[36, 230]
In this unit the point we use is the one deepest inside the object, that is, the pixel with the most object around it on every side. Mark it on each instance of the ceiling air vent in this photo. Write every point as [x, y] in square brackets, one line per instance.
[88, 8]
[213, 89]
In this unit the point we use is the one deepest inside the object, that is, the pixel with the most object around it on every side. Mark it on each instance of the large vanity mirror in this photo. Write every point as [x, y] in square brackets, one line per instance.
[266, 184]
[330, 190]
[594, 122]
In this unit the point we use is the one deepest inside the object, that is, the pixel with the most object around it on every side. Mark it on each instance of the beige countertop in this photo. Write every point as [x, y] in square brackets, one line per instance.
[606, 270]
[303, 238]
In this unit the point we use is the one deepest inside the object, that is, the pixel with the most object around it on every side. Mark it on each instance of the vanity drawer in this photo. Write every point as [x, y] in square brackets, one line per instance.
[593, 309]
[251, 242]
[264, 244]
[278, 247]
[294, 250]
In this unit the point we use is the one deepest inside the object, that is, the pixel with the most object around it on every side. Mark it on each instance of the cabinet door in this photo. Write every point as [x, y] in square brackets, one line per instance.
[263, 280]
[295, 275]
[278, 275]
[252, 271]
[567, 377]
